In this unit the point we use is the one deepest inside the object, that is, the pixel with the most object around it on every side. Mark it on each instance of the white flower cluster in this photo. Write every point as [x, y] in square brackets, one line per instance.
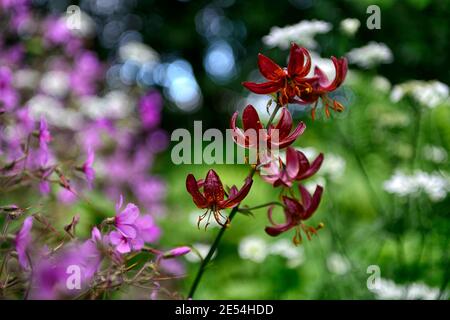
[371, 55]
[388, 290]
[349, 26]
[302, 33]
[428, 93]
[433, 184]
[338, 264]
[256, 249]
[435, 154]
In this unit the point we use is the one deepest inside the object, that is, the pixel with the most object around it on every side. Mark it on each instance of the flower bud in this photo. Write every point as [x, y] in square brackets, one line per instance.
[176, 252]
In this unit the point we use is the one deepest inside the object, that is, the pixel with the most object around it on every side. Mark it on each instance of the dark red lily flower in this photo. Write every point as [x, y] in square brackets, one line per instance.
[296, 212]
[213, 196]
[288, 82]
[321, 86]
[297, 167]
[281, 138]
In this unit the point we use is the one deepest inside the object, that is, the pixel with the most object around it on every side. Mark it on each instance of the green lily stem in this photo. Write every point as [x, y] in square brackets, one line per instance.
[219, 236]
[273, 203]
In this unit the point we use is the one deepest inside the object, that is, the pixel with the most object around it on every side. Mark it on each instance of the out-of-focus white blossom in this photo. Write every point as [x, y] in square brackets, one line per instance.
[338, 264]
[433, 184]
[388, 290]
[26, 78]
[138, 52]
[295, 255]
[253, 248]
[54, 112]
[350, 25]
[371, 55]
[428, 93]
[302, 33]
[80, 24]
[333, 166]
[114, 105]
[55, 83]
[381, 84]
[201, 249]
[435, 154]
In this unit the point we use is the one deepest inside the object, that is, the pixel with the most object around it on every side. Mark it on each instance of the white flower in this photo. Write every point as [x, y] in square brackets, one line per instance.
[400, 184]
[370, 55]
[294, 255]
[381, 83]
[202, 249]
[80, 23]
[114, 105]
[55, 83]
[389, 290]
[54, 112]
[349, 26]
[26, 78]
[138, 52]
[397, 93]
[338, 264]
[435, 154]
[428, 93]
[420, 291]
[433, 184]
[253, 248]
[302, 33]
[333, 166]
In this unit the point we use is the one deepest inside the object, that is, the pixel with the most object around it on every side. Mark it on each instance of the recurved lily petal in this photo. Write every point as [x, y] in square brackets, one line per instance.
[322, 78]
[237, 197]
[341, 67]
[284, 124]
[297, 68]
[238, 134]
[250, 119]
[293, 207]
[314, 202]
[269, 69]
[292, 163]
[263, 88]
[277, 229]
[306, 170]
[293, 136]
[193, 188]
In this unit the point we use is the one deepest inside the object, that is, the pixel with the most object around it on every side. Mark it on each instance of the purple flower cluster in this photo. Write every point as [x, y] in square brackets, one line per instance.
[86, 263]
[63, 132]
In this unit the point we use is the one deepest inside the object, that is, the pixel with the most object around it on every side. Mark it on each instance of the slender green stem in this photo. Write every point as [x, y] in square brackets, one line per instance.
[219, 236]
[273, 203]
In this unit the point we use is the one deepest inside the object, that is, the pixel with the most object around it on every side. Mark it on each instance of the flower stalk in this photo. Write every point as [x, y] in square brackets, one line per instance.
[219, 236]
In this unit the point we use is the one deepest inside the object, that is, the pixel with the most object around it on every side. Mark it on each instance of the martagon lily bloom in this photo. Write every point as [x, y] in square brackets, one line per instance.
[279, 136]
[289, 82]
[296, 212]
[213, 196]
[321, 86]
[297, 168]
